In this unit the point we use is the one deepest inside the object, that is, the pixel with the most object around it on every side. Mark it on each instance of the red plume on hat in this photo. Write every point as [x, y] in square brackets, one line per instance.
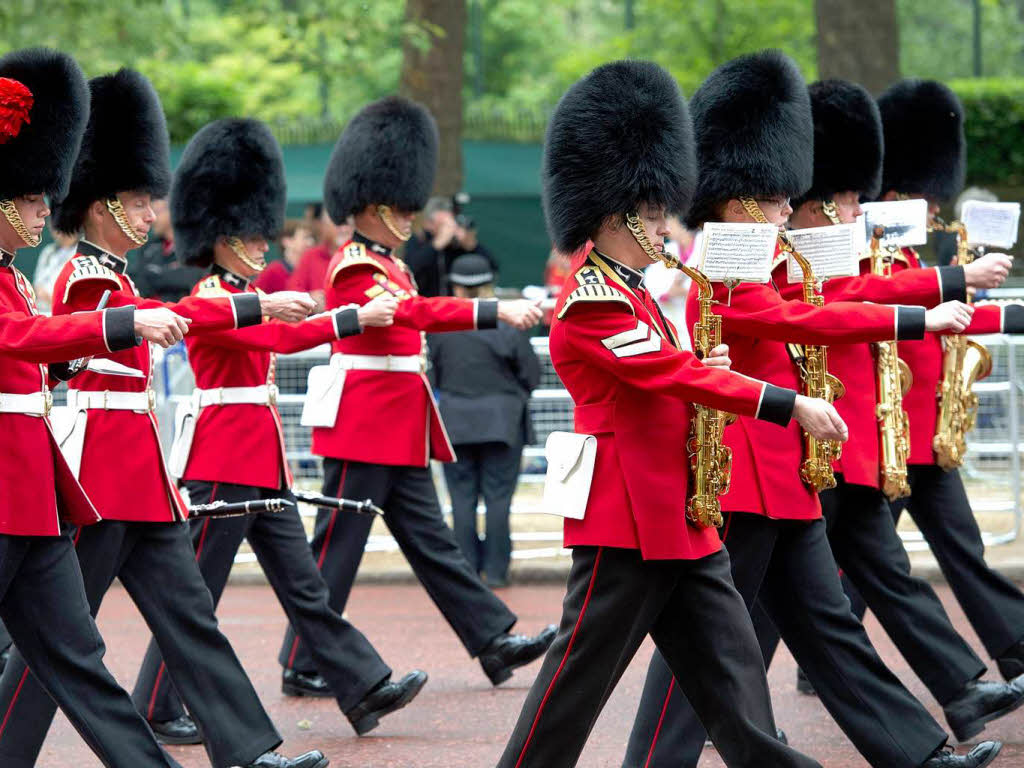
[15, 103]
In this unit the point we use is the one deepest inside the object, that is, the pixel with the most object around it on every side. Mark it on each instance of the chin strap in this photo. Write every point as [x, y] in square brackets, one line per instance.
[10, 211]
[384, 212]
[236, 245]
[118, 212]
[639, 232]
[828, 207]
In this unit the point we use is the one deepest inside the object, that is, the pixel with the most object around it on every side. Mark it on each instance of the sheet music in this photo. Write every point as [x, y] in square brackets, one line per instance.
[833, 251]
[992, 224]
[905, 221]
[113, 368]
[740, 252]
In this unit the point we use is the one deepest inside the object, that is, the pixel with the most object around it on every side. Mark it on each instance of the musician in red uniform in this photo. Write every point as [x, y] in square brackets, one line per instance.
[773, 528]
[233, 450]
[142, 540]
[375, 420]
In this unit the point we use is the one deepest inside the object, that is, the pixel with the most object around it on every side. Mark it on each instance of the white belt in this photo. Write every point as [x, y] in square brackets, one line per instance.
[262, 395]
[32, 404]
[79, 399]
[390, 363]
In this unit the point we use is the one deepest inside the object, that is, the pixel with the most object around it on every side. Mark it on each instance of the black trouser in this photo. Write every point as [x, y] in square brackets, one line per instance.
[44, 603]
[788, 566]
[698, 621]
[490, 470]
[344, 656]
[156, 565]
[413, 515]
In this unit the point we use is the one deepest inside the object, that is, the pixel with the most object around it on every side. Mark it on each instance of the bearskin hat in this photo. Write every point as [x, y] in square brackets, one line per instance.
[44, 107]
[229, 182]
[847, 141]
[125, 147]
[752, 121]
[925, 150]
[387, 155]
[619, 137]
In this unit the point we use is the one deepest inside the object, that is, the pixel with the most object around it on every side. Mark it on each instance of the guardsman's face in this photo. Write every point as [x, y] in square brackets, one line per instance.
[847, 206]
[776, 209]
[139, 208]
[655, 221]
[256, 249]
[33, 210]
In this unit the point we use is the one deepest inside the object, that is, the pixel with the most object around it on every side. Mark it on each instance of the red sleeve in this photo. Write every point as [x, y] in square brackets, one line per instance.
[996, 318]
[277, 336]
[42, 339]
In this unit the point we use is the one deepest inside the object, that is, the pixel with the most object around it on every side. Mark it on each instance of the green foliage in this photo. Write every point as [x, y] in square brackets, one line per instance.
[994, 123]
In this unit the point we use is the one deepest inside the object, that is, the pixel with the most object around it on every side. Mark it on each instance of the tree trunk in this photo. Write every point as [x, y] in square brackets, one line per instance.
[859, 42]
[434, 78]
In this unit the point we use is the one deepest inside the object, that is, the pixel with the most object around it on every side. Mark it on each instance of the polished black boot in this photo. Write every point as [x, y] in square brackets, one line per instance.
[295, 683]
[314, 759]
[980, 702]
[4, 656]
[803, 685]
[980, 756]
[180, 730]
[1011, 661]
[509, 652]
[386, 698]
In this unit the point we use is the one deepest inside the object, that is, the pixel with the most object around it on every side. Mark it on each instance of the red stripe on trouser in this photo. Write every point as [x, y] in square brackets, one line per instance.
[323, 554]
[163, 666]
[10, 709]
[565, 658]
[657, 731]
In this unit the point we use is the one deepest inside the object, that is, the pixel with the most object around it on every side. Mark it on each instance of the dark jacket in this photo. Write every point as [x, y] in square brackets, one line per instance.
[485, 379]
[430, 267]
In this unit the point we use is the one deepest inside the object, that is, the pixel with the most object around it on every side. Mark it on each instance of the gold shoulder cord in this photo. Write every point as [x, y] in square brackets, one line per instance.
[236, 245]
[10, 211]
[828, 207]
[117, 211]
[384, 212]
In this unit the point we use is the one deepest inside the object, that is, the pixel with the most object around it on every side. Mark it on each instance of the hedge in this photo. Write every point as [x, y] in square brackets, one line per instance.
[994, 124]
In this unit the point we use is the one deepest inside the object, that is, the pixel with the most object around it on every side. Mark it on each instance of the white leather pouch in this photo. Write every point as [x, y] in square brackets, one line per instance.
[323, 396]
[570, 458]
[68, 427]
[185, 418]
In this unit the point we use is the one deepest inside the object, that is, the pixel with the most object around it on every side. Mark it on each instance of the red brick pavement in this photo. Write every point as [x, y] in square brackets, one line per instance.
[458, 721]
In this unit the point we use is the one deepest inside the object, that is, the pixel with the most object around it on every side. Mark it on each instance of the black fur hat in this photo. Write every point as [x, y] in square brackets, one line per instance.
[847, 141]
[36, 155]
[125, 147]
[387, 155]
[229, 182]
[752, 120]
[925, 150]
[619, 137]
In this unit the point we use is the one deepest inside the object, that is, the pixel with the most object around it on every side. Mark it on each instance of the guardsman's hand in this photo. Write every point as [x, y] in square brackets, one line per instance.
[718, 357]
[989, 271]
[378, 312]
[952, 316]
[519, 313]
[290, 306]
[160, 326]
[820, 419]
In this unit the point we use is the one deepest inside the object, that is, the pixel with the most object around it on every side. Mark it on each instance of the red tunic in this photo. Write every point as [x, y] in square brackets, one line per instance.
[244, 443]
[389, 417]
[123, 468]
[633, 387]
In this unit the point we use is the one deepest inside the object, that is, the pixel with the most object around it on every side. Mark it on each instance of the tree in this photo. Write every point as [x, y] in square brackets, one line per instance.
[432, 74]
[859, 41]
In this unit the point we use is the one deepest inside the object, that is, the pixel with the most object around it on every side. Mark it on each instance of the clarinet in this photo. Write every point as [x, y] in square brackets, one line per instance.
[238, 508]
[365, 507]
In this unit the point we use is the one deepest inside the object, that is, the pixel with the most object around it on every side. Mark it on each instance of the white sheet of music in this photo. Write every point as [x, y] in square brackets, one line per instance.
[833, 251]
[737, 252]
[992, 224]
[905, 221]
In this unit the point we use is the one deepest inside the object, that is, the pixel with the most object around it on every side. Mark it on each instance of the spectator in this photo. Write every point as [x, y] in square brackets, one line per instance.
[485, 379]
[445, 237]
[51, 259]
[556, 272]
[668, 285]
[295, 240]
[311, 271]
[155, 268]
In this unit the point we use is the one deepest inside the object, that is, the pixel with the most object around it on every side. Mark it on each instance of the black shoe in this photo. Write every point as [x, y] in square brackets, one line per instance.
[803, 685]
[980, 756]
[508, 652]
[295, 683]
[1011, 661]
[180, 730]
[386, 698]
[5, 656]
[980, 702]
[781, 736]
[314, 759]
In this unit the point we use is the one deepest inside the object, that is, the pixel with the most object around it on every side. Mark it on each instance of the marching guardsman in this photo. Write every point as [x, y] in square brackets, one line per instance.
[378, 423]
[123, 161]
[618, 158]
[44, 106]
[773, 526]
[233, 450]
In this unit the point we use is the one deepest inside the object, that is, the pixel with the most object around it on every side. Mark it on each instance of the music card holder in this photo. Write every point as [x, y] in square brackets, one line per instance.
[833, 251]
[991, 224]
[570, 458]
[737, 253]
[905, 222]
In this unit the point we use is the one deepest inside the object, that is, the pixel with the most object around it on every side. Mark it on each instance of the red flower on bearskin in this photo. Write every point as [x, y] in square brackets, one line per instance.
[15, 103]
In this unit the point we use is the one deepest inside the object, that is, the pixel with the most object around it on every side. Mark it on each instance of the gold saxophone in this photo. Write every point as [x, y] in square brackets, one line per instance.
[710, 460]
[892, 378]
[964, 362]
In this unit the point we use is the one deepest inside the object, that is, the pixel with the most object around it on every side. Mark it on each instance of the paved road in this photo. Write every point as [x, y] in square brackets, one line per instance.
[458, 721]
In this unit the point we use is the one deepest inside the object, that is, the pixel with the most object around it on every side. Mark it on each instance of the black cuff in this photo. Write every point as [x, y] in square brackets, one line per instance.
[909, 323]
[1013, 318]
[119, 328]
[776, 405]
[486, 313]
[952, 284]
[346, 323]
[247, 309]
